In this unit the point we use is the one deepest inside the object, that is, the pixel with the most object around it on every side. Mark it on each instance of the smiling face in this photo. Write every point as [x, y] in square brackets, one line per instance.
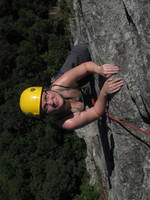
[51, 101]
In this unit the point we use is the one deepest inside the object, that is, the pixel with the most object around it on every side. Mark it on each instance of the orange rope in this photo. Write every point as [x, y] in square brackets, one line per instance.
[128, 125]
[124, 123]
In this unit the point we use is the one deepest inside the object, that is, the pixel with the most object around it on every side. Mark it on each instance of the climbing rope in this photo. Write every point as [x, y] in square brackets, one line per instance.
[122, 122]
[128, 125]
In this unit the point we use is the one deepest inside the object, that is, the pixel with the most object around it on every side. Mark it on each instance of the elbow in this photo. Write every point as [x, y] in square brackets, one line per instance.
[68, 125]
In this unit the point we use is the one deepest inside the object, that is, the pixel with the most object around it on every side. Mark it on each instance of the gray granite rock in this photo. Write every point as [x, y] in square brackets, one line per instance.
[118, 32]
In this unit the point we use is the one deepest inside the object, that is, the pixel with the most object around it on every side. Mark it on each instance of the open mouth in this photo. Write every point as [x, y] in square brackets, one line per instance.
[54, 105]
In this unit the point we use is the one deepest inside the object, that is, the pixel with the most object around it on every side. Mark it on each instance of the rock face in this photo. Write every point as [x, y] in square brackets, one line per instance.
[118, 32]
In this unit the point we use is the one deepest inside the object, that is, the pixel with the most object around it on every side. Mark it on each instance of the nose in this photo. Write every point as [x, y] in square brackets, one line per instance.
[49, 100]
[51, 103]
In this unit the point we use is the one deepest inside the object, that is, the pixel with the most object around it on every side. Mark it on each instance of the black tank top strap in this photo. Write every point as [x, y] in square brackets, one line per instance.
[65, 87]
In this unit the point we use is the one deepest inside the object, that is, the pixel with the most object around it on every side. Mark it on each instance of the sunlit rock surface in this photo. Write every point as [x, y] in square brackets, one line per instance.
[118, 32]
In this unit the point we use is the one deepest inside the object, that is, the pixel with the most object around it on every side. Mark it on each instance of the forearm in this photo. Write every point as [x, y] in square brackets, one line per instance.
[110, 86]
[88, 115]
[92, 67]
[71, 77]
[100, 104]
[85, 69]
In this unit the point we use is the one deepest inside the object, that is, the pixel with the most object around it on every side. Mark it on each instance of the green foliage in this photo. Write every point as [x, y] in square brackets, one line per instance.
[58, 176]
[88, 192]
[66, 10]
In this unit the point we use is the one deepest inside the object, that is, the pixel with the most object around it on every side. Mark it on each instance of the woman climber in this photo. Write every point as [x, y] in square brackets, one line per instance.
[65, 99]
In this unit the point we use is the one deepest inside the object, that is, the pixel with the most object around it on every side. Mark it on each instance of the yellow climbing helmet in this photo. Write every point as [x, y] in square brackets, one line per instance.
[30, 100]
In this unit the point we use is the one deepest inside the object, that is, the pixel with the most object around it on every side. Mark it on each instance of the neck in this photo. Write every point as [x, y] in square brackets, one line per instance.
[66, 105]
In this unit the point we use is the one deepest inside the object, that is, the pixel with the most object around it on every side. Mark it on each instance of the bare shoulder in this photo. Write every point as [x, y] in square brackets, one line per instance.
[65, 81]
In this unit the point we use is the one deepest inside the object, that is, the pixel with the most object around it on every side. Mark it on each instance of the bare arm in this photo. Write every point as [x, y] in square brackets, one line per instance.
[71, 77]
[85, 117]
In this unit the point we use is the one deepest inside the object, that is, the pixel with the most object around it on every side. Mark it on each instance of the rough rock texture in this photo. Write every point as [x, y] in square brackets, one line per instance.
[118, 32]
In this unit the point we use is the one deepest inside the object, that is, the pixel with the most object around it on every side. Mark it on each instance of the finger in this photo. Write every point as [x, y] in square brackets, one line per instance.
[108, 75]
[110, 65]
[117, 86]
[111, 71]
[121, 82]
[115, 80]
[111, 68]
[109, 79]
[115, 90]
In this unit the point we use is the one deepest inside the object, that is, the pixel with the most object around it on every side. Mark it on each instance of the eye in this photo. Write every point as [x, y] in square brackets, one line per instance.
[45, 108]
[46, 96]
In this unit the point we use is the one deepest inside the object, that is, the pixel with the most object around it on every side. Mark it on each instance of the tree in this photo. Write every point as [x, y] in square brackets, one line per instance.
[35, 156]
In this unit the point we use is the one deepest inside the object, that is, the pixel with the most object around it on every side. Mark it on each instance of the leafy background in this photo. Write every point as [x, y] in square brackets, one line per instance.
[37, 160]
